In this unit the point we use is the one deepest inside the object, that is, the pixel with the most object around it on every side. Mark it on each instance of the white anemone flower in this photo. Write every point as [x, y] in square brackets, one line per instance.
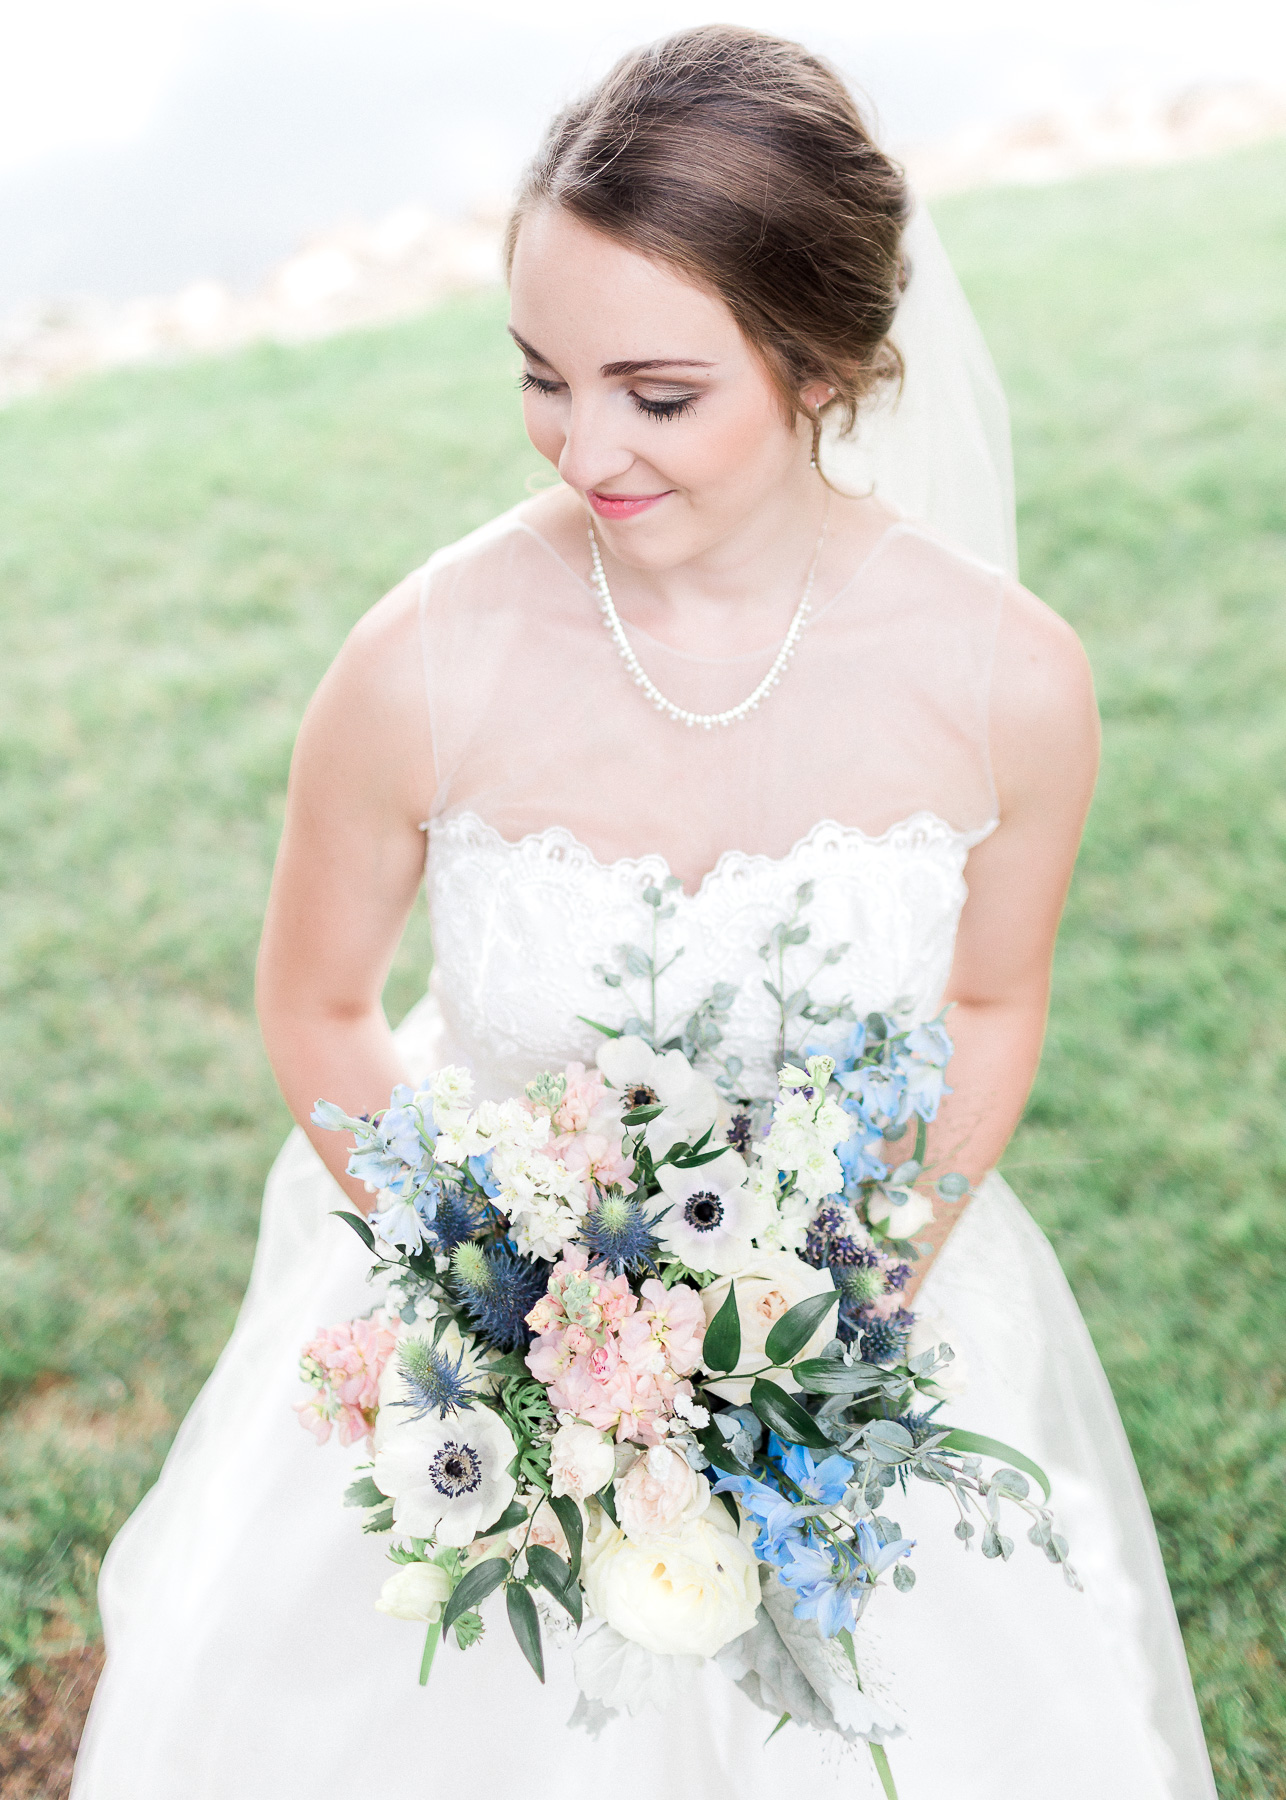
[648, 1078]
[714, 1214]
[447, 1477]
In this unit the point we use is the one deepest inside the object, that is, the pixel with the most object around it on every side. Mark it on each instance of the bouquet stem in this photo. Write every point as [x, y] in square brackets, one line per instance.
[880, 1757]
[430, 1645]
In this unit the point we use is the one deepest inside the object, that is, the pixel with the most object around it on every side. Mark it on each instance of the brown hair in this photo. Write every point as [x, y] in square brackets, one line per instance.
[742, 161]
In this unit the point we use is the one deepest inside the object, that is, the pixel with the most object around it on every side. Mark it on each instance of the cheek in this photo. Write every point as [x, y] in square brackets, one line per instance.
[544, 426]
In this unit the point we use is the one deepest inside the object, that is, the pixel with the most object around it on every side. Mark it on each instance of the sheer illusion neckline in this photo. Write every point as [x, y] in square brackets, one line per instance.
[556, 844]
[816, 615]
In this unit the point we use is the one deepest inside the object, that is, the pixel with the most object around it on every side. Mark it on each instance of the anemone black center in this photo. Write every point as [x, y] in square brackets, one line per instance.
[704, 1211]
[455, 1470]
[640, 1094]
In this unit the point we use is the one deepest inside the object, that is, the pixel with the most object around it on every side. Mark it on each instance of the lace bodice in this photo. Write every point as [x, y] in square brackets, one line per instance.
[520, 928]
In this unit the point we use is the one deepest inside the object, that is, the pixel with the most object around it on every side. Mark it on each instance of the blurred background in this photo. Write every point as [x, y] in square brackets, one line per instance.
[253, 368]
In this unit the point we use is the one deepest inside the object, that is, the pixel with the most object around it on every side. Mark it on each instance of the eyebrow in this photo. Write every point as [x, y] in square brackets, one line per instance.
[633, 367]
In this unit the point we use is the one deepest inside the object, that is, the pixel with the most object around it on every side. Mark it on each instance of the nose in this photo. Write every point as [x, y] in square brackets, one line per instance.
[593, 451]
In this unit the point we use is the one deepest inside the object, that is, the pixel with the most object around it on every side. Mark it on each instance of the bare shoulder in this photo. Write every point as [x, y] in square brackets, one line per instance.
[1044, 719]
[369, 715]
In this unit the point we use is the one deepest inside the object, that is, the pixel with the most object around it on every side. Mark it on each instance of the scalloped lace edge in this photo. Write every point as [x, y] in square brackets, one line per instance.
[571, 852]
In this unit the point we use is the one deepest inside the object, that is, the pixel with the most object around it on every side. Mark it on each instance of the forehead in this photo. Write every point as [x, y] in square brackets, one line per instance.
[576, 292]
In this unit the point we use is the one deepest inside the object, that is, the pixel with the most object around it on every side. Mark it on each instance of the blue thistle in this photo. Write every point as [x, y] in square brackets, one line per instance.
[497, 1288]
[883, 1340]
[436, 1383]
[619, 1232]
[459, 1217]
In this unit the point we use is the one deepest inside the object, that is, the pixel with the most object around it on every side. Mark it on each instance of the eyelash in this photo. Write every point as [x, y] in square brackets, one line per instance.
[653, 409]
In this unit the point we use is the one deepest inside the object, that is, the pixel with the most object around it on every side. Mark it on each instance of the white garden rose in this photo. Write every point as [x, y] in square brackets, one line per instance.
[581, 1461]
[416, 1591]
[683, 1596]
[901, 1211]
[660, 1496]
[768, 1283]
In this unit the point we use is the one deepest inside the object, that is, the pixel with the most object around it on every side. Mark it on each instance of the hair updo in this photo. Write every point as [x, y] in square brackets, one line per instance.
[742, 161]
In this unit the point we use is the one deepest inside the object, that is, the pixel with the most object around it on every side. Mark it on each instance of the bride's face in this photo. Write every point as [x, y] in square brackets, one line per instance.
[641, 390]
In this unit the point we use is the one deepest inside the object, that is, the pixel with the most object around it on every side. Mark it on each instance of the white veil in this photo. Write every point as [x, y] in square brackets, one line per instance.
[939, 449]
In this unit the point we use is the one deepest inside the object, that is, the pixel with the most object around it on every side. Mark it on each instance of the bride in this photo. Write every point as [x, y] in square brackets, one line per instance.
[762, 634]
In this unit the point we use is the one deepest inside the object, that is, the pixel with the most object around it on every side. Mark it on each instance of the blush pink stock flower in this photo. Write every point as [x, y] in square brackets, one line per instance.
[344, 1364]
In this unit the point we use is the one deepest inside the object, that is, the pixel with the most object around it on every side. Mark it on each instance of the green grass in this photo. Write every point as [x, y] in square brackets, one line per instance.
[180, 552]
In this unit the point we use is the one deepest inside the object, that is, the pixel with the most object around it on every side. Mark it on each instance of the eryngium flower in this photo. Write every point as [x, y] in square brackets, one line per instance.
[883, 1340]
[497, 1288]
[459, 1217]
[435, 1383]
[619, 1232]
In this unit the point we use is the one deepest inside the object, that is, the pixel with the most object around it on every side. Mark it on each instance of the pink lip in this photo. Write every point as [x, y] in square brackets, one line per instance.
[623, 506]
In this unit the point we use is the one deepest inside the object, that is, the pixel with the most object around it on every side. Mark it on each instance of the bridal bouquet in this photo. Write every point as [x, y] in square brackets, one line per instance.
[641, 1358]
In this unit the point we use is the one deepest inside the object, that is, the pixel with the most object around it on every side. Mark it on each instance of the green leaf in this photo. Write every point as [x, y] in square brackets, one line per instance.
[787, 1417]
[974, 1444]
[715, 1445]
[364, 1492]
[556, 1578]
[952, 1187]
[722, 1348]
[526, 1625]
[642, 1115]
[609, 1031]
[695, 1159]
[607, 1500]
[730, 1505]
[793, 1330]
[359, 1225]
[888, 1442]
[822, 1375]
[568, 1515]
[482, 1579]
[375, 1522]
[514, 1514]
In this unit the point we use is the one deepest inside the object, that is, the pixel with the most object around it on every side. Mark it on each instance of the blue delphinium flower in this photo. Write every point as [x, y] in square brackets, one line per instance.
[497, 1288]
[779, 1518]
[480, 1169]
[437, 1384]
[821, 1484]
[858, 1154]
[880, 1091]
[833, 1581]
[393, 1151]
[408, 1224]
[618, 1231]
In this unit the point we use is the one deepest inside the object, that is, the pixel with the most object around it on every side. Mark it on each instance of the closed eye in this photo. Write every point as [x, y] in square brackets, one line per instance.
[652, 409]
[664, 409]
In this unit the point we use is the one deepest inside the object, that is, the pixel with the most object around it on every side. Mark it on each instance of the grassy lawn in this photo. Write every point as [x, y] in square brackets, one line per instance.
[181, 551]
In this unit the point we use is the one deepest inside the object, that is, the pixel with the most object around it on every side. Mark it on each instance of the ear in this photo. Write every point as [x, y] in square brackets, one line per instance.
[815, 395]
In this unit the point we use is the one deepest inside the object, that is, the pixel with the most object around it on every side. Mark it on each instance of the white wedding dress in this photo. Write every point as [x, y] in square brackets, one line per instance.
[245, 1658]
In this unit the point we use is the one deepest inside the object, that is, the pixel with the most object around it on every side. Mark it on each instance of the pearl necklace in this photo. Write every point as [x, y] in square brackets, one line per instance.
[612, 619]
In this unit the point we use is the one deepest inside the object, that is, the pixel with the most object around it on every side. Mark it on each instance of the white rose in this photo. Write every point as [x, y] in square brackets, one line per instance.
[769, 1283]
[581, 1461]
[416, 1591]
[683, 1596]
[660, 1496]
[901, 1211]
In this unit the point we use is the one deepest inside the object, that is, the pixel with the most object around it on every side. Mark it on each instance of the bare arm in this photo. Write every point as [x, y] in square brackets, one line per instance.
[1045, 753]
[347, 872]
